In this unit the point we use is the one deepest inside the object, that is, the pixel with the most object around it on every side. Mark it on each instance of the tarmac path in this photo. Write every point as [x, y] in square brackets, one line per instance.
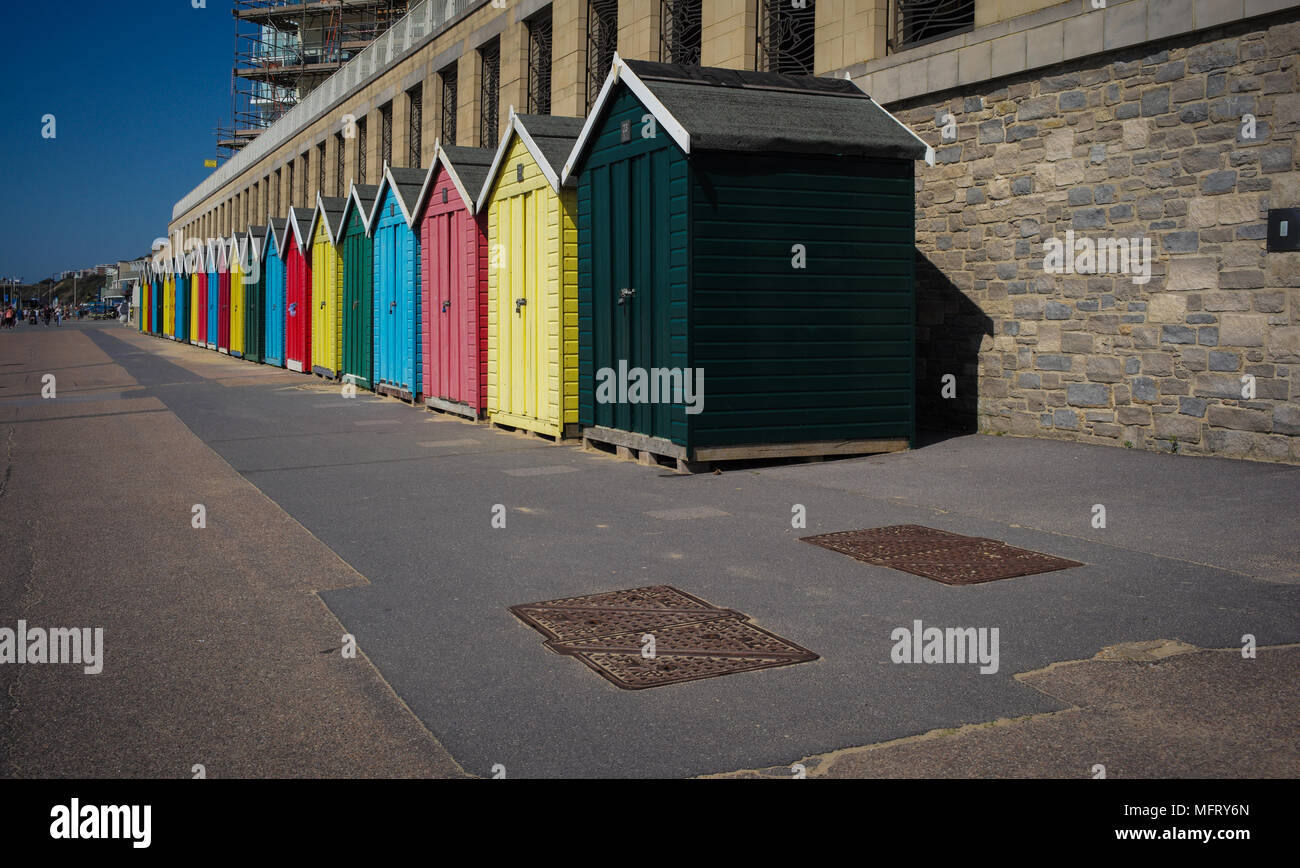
[329, 515]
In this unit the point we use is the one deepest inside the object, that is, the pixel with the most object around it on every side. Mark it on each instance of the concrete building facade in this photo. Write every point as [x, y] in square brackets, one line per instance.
[1170, 125]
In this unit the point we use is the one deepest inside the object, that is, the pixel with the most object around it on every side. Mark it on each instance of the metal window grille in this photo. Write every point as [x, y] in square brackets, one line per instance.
[917, 21]
[680, 31]
[539, 63]
[275, 196]
[305, 193]
[415, 137]
[361, 151]
[602, 42]
[320, 168]
[786, 37]
[489, 93]
[288, 188]
[386, 133]
[449, 103]
[340, 164]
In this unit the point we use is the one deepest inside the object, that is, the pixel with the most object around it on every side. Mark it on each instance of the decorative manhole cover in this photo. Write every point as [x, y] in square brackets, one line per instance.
[940, 555]
[691, 638]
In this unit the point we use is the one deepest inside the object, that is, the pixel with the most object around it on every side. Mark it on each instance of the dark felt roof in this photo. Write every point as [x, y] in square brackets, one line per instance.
[365, 196]
[332, 213]
[407, 184]
[743, 110]
[554, 136]
[302, 217]
[471, 166]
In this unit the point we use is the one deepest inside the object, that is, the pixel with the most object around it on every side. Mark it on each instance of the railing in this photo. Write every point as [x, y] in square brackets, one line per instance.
[422, 21]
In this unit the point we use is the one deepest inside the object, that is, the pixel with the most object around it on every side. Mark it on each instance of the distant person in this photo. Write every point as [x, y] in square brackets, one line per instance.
[58, 315]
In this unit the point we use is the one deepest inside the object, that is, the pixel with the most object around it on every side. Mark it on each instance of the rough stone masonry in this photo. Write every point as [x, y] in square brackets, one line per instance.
[1150, 143]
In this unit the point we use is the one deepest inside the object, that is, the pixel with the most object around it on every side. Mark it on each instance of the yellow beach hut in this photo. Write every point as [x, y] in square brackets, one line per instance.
[532, 278]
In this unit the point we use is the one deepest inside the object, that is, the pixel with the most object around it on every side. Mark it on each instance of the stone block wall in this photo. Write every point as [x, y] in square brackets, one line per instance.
[1150, 144]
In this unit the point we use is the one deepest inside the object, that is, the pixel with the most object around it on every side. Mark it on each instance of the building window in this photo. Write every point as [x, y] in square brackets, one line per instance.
[680, 29]
[306, 179]
[320, 168]
[275, 197]
[918, 21]
[539, 63]
[386, 133]
[340, 164]
[415, 127]
[489, 93]
[361, 151]
[602, 42]
[786, 37]
[449, 104]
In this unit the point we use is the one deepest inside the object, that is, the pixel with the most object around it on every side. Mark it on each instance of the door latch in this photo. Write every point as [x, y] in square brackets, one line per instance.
[624, 294]
[520, 302]
[392, 305]
[446, 306]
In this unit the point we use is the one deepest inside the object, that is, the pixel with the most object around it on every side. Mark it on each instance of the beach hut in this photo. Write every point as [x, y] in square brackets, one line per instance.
[235, 325]
[397, 284]
[180, 289]
[222, 250]
[454, 280]
[213, 296]
[146, 305]
[254, 293]
[157, 311]
[167, 327]
[197, 283]
[297, 290]
[358, 286]
[532, 278]
[323, 240]
[273, 293]
[745, 265]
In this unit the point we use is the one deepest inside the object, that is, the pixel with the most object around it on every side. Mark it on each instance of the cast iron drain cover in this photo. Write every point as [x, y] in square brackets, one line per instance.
[937, 554]
[693, 639]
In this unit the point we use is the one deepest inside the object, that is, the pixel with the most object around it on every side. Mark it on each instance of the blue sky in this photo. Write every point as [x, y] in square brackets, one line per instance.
[136, 89]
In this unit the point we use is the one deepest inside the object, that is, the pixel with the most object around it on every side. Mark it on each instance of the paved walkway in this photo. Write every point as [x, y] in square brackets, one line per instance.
[217, 649]
[383, 513]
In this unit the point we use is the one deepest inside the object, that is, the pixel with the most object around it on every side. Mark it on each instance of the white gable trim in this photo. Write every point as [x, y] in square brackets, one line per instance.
[929, 151]
[516, 126]
[620, 71]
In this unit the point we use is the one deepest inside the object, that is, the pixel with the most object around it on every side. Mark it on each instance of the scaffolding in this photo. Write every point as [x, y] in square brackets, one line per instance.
[284, 49]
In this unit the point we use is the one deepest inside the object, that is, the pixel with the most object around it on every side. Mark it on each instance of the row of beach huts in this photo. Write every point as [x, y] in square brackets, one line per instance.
[714, 264]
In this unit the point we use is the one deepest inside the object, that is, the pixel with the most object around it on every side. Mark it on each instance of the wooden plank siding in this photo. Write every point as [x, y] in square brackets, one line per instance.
[273, 303]
[254, 303]
[453, 247]
[532, 251]
[818, 353]
[638, 192]
[358, 302]
[237, 310]
[327, 305]
[398, 364]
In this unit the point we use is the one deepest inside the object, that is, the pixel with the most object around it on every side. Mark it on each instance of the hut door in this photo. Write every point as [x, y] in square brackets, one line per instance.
[448, 273]
[641, 210]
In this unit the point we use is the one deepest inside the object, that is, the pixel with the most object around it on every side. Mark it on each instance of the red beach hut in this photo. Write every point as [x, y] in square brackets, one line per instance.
[454, 280]
[297, 286]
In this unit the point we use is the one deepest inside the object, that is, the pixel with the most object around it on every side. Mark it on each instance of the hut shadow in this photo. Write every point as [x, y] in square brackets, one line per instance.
[949, 331]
